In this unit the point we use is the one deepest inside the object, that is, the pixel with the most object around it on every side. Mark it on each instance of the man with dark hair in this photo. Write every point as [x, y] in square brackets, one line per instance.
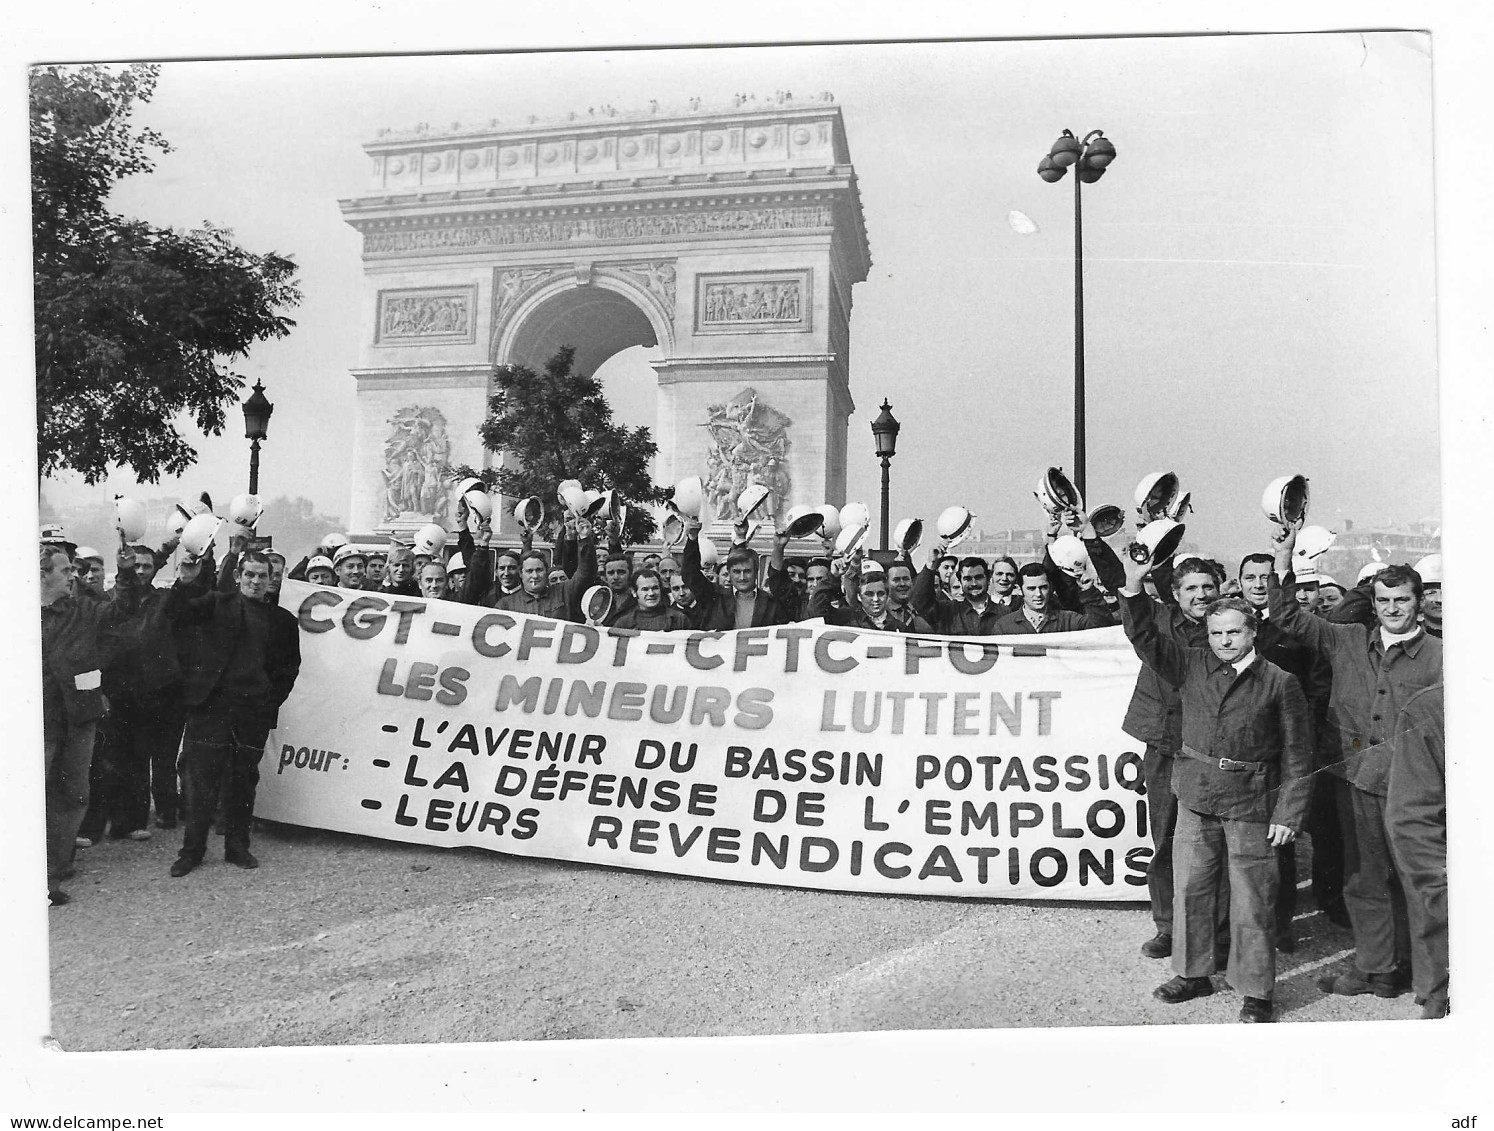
[245, 670]
[868, 608]
[650, 611]
[947, 567]
[617, 575]
[78, 640]
[1038, 615]
[373, 569]
[1376, 670]
[538, 596]
[1416, 816]
[900, 577]
[744, 605]
[1242, 780]
[1155, 717]
[974, 614]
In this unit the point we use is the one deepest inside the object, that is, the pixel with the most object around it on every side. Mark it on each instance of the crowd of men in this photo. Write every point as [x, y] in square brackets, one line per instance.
[1273, 702]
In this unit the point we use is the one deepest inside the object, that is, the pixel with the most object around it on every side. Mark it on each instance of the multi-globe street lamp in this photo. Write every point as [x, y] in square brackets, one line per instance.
[257, 410]
[884, 432]
[1091, 157]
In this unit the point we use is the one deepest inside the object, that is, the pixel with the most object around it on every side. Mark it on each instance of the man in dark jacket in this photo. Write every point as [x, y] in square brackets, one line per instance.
[1038, 614]
[245, 670]
[974, 614]
[1376, 670]
[1242, 777]
[1416, 813]
[649, 611]
[78, 640]
[745, 605]
[868, 609]
[539, 597]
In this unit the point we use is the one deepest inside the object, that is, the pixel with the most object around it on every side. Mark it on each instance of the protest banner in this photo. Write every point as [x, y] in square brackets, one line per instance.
[801, 755]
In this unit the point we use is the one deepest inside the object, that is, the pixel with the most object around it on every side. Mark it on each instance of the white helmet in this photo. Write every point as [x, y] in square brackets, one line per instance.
[529, 512]
[1156, 542]
[1304, 569]
[1368, 570]
[566, 485]
[1107, 520]
[430, 540]
[244, 511]
[180, 516]
[198, 535]
[688, 496]
[129, 519]
[321, 561]
[1155, 493]
[954, 522]
[1057, 492]
[334, 540]
[596, 604]
[344, 552]
[830, 528]
[1429, 569]
[853, 515]
[475, 494]
[596, 502]
[574, 498]
[1285, 499]
[455, 564]
[909, 534]
[751, 498]
[708, 555]
[802, 521]
[849, 538]
[89, 552]
[672, 531]
[1068, 554]
[1314, 541]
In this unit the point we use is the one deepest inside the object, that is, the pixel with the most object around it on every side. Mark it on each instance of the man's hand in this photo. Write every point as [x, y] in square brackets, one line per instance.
[124, 561]
[781, 537]
[1285, 538]
[1279, 835]
[1074, 520]
[739, 532]
[461, 513]
[484, 533]
[583, 529]
[692, 525]
[238, 543]
[1135, 571]
[188, 571]
[1052, 527]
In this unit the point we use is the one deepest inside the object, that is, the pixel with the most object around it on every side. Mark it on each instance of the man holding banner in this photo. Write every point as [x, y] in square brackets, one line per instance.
[1242, 778]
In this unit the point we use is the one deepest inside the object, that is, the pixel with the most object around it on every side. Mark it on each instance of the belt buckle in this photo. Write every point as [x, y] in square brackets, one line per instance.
[1229, 765]
[1222, 766]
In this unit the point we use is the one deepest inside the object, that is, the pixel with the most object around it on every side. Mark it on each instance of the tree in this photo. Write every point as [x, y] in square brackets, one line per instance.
[135, 324]
[557, 425]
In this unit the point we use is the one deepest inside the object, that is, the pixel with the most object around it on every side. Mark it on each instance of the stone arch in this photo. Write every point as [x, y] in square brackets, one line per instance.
[600, 312]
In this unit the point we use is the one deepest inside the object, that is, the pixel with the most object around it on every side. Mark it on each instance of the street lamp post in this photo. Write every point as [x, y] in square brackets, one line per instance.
[884, 432]
[257, 410]
[1091, 156]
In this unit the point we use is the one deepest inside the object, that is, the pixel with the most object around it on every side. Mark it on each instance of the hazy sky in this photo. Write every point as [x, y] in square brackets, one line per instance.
[1259, 259]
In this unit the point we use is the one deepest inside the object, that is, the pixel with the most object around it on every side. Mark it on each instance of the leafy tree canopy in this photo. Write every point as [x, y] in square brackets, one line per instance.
[135, 325]
[557, 425]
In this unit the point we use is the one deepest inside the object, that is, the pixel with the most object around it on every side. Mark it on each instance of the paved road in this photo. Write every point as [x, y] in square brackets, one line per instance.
[343, 939]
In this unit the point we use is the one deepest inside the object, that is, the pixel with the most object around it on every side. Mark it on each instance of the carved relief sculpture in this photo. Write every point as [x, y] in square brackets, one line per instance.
[753, 302]
[420, 316]
[414, 454]
[655, 277]
[749, 444]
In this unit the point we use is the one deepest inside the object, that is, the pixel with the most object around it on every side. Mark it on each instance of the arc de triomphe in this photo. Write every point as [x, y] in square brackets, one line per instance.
[729, 238]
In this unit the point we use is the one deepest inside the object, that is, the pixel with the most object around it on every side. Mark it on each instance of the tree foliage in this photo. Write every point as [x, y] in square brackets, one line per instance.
[557, 425]
[135, 324]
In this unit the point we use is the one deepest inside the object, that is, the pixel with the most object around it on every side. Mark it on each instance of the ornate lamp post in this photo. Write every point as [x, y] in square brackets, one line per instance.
[257, 412]
[884, 432]
[1091, 156]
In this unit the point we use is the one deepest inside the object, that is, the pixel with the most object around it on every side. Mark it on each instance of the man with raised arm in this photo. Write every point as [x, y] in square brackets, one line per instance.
[1376, 670]
[1242, 779]
[1038, 613]
[539, 596]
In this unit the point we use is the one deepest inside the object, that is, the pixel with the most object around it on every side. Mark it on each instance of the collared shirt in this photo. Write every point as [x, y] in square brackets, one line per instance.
[1388, 638]
[1244, 661]
[1034, 618]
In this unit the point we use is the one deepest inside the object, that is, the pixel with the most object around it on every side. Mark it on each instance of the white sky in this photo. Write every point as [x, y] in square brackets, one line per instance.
[1259, 259]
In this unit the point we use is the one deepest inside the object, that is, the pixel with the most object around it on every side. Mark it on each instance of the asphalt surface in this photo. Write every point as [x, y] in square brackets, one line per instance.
[340, 939]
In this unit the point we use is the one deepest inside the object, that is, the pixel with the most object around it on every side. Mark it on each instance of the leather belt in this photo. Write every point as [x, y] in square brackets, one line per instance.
[1229, 765]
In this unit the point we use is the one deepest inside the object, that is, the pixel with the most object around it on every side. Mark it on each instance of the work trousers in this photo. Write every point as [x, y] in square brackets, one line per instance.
[1326, 833]
[1372, 889]
[138, 742]
[1204, 847]
[219, 741]
[67, 756]
[1162, 820]
[1423, 868]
